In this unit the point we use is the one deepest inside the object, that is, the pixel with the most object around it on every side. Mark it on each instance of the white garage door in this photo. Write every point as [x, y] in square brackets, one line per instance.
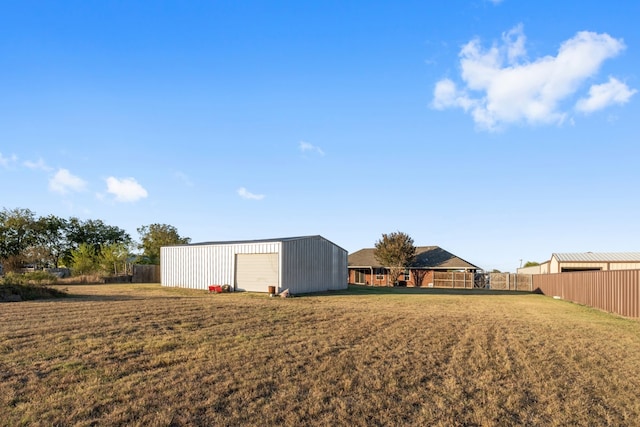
[256, 272]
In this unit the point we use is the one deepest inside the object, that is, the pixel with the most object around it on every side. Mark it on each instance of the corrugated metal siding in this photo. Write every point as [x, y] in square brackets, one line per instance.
[198, 266]
[313, 265]
[613, 291]
[309, 264]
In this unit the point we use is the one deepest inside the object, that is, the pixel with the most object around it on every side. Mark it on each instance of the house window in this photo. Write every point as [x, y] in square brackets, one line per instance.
[407, 274]
[379, 273]
[360, 277]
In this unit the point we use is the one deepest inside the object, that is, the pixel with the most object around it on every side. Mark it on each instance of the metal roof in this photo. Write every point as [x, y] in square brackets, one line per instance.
[598, 257]
[281, 239]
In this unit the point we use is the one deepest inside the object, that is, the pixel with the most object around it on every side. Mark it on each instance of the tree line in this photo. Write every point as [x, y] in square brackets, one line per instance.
[84, 246]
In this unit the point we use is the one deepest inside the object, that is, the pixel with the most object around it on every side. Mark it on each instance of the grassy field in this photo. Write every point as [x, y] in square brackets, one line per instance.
[146, 355]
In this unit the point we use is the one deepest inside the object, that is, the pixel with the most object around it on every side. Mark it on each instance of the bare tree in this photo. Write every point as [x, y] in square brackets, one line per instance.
[419, 275]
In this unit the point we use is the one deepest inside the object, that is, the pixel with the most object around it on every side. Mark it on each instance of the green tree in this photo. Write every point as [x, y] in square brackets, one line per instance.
[531, 264]
[395, 251]
[17, 234]
[83, 259]
[113, 258]
[154, 236]
[51, 235]
[94, 233]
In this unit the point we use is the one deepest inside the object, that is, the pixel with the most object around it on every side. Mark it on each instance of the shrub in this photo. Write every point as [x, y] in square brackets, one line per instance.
[29, 286]
[40, 278]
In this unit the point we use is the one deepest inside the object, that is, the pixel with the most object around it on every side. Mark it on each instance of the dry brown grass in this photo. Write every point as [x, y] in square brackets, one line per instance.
[144, 355]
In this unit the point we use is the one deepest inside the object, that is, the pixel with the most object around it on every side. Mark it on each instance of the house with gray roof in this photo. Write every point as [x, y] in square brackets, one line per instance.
[365, 269]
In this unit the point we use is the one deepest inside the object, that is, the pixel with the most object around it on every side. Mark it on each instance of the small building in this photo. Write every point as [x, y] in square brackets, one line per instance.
[585, 261]
[299, 264]
[365, 269]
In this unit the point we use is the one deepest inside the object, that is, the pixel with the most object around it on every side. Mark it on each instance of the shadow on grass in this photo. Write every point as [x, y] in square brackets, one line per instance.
[17, 292]
[388, 290]
[92, 292]
[74, 298]
[76, 295]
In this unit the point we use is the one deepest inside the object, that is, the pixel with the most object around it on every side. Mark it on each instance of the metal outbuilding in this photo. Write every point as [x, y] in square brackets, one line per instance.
[299, 264]
[585, 261]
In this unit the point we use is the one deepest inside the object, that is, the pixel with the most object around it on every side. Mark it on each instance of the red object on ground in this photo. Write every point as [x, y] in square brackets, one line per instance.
[215, 288]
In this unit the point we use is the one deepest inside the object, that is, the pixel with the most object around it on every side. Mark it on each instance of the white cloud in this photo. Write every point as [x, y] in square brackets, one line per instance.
[306, 147]
[515, 40]
[125, 189]
[64, 182]
[447, 95]
[604, 95]
[6, 161]
[501, 86]
[245, 194]
[39, 165]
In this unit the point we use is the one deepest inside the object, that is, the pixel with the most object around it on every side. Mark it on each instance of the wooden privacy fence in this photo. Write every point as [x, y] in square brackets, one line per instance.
[452, 279]
[143, 273]
[615, 291]
[511, 282]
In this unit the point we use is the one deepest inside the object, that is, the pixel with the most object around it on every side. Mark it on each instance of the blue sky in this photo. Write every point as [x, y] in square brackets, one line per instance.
[499, 130]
